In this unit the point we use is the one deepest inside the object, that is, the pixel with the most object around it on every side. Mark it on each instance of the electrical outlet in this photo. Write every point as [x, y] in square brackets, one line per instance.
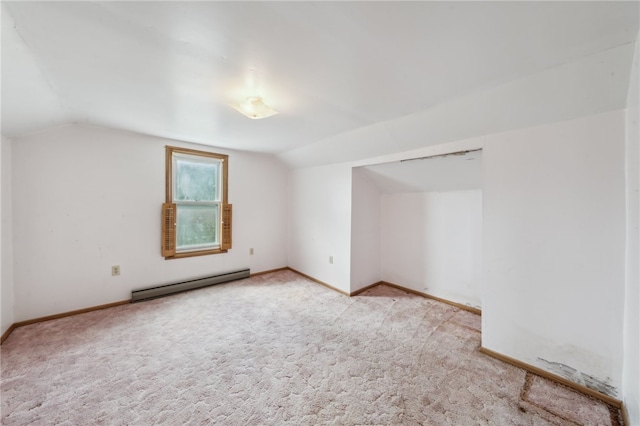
[251, 251]
[331, 260]
[115, 270]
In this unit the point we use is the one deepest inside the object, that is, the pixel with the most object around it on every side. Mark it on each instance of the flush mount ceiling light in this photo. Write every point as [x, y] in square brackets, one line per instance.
[254, 108]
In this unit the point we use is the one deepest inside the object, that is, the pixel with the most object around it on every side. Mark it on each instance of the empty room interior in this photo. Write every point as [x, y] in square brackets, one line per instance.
[412, 212]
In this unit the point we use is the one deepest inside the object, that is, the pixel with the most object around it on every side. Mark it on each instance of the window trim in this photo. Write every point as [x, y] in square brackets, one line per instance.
[224, 159]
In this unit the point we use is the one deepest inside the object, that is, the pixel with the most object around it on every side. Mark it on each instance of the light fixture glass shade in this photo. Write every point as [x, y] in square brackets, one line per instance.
[254, 108]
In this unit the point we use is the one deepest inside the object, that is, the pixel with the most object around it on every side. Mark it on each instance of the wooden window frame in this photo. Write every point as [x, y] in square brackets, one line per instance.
[169, 208]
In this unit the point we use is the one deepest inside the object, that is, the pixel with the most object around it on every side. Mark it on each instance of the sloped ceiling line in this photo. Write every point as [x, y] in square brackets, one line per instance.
[45, 77]
[30, 101]
[594, 84]
[351, 80]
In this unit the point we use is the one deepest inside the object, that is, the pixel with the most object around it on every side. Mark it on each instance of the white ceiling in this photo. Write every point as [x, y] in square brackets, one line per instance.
[459, 172]
[350, 79]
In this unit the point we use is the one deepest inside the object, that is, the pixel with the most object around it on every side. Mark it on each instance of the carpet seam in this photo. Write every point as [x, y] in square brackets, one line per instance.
[525, 398]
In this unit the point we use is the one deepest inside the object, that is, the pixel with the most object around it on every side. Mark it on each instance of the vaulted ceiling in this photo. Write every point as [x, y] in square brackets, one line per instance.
[351, 80]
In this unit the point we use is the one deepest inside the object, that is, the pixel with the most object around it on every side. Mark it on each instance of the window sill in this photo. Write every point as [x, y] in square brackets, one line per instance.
[196, 253]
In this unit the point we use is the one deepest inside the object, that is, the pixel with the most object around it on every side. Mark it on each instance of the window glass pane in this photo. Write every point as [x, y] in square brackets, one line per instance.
[196, 180]
[197, 225]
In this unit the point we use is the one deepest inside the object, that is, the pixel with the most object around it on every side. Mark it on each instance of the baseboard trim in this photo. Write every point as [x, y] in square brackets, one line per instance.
[439, 299]
[268, 272]
[399, 287]
[7, 333]
[553, 377]
[71, 313]
[15, 325]
[58, 316]
[317, 281]
[362, 290]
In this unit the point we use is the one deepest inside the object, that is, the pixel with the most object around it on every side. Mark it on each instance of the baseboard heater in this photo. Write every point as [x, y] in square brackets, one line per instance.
[167, 289]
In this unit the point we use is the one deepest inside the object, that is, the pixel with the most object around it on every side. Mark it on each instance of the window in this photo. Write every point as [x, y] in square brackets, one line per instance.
[196, 216]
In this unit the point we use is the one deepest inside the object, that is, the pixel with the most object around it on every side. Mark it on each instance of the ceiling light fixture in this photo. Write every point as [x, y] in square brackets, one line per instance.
[254, 108]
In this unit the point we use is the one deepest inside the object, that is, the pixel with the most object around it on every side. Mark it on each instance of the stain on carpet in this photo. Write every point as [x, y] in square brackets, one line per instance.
[567, 403]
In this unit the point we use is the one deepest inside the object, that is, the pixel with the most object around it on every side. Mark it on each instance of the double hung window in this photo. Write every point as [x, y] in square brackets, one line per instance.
[196, 215]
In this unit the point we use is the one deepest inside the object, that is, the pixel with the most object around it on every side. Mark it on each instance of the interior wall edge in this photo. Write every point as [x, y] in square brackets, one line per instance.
[317, 281]
[363, 289]
[7, 295]
[7, 333]
[625, 415]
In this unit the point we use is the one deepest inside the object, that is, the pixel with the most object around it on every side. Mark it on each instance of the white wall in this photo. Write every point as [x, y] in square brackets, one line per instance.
[631, 367]
[365, 231]
[320, 219]
[320, 223]
[554, 238]
[432, 243]
[6, 248]
[86, 198]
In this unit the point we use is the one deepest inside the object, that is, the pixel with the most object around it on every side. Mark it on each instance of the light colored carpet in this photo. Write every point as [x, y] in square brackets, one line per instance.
[275, 349]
